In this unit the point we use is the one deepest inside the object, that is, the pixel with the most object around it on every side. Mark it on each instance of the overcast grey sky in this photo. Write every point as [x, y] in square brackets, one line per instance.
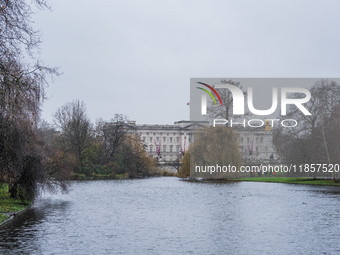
[137, 57]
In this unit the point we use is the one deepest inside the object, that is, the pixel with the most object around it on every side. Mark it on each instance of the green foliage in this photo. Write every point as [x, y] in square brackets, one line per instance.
[86, 171]
[110, 168]
[8, 204]
[76, 176]
[3, 217]
[3, 190]
[93, 155]
[122, 176]
[11, 205]
[101, 177]
[115, 152]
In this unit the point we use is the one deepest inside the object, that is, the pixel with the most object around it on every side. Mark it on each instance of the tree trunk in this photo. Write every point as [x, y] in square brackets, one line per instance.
[13, 190]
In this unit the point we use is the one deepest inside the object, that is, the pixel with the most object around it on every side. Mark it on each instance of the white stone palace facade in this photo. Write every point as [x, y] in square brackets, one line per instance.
[256, 145]
[168, 142]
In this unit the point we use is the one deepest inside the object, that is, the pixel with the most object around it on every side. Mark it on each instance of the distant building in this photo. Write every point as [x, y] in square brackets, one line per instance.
[256, 145]
[167, 142]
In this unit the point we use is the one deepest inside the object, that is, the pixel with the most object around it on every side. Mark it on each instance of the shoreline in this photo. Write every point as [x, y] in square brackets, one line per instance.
[12, 215]
[287, 180]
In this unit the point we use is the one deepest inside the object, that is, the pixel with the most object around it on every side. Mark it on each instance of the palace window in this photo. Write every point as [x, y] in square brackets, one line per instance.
[164, 148]
[170, 139]
[170, 148]
[150, 148]
[164, 139]
[150, 139]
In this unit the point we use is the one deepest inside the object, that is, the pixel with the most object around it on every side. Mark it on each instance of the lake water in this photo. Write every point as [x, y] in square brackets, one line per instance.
[170, 216]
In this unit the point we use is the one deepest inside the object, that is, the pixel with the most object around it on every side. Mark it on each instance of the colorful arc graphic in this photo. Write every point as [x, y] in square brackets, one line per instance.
[209, 92]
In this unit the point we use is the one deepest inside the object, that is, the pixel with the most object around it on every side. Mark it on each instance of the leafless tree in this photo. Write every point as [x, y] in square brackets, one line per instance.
[76, 129]
[17, 33]
[316, 137]
[113, 133]
[226, 110]
[123, 147]
[22, 86]
[21, 82]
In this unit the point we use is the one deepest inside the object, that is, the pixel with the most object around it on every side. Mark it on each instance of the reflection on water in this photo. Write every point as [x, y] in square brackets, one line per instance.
[19, 231]
[169, 216]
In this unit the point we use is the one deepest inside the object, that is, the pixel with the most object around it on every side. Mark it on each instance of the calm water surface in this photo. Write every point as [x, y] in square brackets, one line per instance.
[169, 216]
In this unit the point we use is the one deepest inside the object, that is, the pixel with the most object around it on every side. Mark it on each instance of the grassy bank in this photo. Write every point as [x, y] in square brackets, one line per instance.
[9, 205]
[3, 217]
[309, 181]
[79, 177]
